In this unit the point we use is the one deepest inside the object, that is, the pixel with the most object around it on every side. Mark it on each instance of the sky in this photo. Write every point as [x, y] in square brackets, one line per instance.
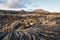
[49, 5]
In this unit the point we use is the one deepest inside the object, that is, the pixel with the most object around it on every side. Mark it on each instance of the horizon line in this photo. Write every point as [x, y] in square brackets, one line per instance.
[19, 9]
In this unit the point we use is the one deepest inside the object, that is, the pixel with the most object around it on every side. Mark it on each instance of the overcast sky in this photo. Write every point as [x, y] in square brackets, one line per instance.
[50, 5]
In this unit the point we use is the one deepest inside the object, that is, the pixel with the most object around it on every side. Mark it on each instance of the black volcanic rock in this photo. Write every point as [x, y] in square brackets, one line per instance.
[25, 25]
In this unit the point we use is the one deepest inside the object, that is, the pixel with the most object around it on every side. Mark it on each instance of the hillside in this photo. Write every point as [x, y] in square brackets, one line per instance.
[38, 24]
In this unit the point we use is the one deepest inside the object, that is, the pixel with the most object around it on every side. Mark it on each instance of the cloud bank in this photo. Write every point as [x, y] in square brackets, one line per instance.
[7, 3]
[16, 3]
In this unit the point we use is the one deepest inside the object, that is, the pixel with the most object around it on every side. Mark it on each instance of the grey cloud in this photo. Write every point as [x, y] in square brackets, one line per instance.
[3, 1]
[17, 3]
[22, 4]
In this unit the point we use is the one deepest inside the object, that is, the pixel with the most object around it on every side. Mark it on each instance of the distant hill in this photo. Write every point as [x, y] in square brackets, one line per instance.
[23, 11]
[40, 11]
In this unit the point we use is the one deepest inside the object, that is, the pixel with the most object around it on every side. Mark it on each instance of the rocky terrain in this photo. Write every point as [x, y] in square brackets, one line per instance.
[34, 25]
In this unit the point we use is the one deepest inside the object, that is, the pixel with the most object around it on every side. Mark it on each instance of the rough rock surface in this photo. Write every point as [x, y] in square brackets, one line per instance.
[23, 25]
